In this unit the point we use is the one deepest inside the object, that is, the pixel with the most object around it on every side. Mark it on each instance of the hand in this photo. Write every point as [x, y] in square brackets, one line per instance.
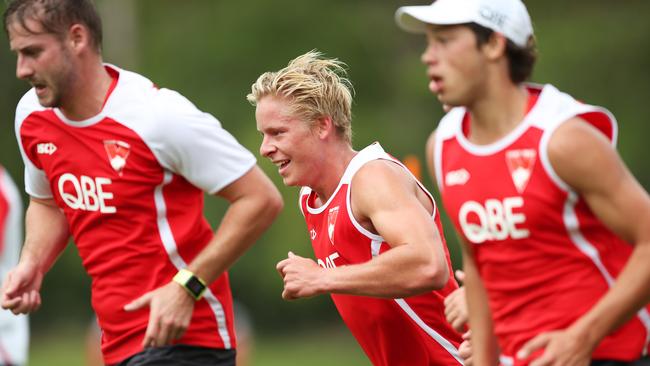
[21, 288]
[300, 275]
[561, 347]
[465, 348]
[170, 312]
[456, 306]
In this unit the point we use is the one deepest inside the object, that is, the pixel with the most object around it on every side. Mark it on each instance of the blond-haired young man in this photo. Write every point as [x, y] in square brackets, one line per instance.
[374, 228]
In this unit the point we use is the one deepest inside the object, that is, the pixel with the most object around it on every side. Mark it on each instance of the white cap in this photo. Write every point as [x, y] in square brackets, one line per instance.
[508, 17]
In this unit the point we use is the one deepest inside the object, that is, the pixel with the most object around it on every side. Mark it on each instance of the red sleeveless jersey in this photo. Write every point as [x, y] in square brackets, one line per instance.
[130, 182]
[544, 257]
[409, 331]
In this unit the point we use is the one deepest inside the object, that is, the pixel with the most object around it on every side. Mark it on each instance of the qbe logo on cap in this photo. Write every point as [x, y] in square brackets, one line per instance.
[493, 16]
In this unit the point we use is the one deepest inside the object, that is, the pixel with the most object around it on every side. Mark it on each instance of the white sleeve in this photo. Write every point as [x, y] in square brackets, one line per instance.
[36, 182]
[193, 144]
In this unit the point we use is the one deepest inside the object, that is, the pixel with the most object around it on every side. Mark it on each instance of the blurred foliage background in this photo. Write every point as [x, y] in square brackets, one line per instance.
[211, 51]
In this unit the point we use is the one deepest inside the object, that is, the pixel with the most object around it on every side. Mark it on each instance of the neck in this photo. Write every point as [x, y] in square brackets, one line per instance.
[334, 161]
[499, 111]
[87, 92]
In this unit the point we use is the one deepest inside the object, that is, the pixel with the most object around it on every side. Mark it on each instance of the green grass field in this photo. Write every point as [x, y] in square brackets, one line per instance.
[319, 348]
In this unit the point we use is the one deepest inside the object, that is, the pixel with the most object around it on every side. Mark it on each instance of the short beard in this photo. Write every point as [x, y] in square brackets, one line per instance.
[62, 83]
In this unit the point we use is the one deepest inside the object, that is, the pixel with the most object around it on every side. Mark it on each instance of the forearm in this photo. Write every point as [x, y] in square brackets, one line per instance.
[400, 272]
[46, 234]
[628, 295]
[245, 220]
[484, 343]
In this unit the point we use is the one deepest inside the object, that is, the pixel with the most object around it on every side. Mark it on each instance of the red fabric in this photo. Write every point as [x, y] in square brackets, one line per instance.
[116, 224]
[387, 334]
[526, 249]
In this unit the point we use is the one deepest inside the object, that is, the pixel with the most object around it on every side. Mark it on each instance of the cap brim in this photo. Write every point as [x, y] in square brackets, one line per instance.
[407, 18]
[415, 19]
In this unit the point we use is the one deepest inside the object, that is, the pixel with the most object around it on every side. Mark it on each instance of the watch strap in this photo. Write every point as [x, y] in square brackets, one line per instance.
[191, 283]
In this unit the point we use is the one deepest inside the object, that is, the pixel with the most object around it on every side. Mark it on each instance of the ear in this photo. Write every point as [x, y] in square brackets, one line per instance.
[78, 37]
[325, 127]
[495, 47]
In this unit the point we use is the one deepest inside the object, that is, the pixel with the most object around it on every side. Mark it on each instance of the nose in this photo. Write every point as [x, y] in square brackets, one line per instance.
[429, 56]
[23, 68]
[267, 147]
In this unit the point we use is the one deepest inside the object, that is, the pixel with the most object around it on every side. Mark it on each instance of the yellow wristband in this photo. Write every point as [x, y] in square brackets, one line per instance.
[191, 283]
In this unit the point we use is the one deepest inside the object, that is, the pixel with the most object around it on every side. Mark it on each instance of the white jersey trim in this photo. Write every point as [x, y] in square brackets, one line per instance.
[36, 182]
[304, 192]
[446, 130]
[573, 228]
[375, 246]
[85, 123]
[442, 341]
[548, 133]
[507, 140]
[171, 248]
[506, 360]
[437, 162]
[561, 107]
[370, 153]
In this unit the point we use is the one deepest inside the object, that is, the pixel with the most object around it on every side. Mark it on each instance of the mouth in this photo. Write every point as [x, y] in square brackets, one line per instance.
[435, 83]
[39, 87]
[282, 165]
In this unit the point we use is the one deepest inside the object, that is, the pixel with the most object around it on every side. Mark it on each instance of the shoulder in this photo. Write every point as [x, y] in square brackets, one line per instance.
[576, 136]
[138, 95]
[577, 150]
[380, 178]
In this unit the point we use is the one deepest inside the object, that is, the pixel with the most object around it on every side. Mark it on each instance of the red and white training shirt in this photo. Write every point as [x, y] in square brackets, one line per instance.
[544, 257]
[392, 332]
[130, 181]
[14, 330]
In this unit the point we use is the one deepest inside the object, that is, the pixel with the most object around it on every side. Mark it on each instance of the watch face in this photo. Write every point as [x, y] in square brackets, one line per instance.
[194, 285]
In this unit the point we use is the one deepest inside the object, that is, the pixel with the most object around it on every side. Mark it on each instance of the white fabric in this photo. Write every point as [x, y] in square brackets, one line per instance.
[184, 140]
[36, 183]
[14, 330]
[508, 17]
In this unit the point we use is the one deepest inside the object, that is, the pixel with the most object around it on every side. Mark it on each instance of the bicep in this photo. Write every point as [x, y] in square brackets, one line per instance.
[252, 183]
[45, 222]
[392, 206]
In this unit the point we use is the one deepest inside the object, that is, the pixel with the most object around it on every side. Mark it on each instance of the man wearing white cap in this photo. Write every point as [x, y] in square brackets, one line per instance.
[556, 269]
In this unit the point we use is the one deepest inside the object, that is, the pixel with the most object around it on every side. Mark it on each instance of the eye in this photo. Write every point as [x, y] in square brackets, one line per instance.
[442, 39]
[30, 52]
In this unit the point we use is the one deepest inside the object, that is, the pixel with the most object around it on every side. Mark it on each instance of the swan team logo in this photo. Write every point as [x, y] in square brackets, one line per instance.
[331, 222]
[118, 152]
[520, 163]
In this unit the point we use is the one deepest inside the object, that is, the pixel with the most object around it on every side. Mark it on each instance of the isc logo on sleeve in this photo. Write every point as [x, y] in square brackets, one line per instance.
[86, 193]
[494, 220]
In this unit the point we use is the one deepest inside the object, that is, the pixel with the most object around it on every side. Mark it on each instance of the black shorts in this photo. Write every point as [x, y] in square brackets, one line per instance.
[181, 355]
[643, 361]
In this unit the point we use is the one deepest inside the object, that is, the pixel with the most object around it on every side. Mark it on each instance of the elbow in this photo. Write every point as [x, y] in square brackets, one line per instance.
[433, 276]
[273, 203]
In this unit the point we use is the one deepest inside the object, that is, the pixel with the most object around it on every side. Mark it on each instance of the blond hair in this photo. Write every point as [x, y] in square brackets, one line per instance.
[316, 86]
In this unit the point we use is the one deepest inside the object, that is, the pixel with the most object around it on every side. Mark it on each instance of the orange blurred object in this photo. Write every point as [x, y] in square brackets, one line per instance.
[412, 162]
